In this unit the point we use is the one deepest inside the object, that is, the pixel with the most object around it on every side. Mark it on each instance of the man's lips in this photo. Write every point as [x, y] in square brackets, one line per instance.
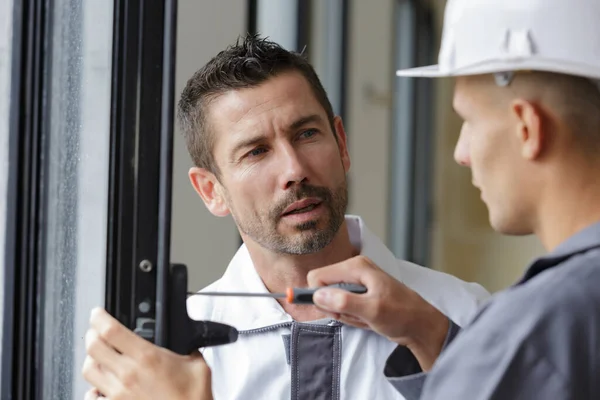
[301, 204]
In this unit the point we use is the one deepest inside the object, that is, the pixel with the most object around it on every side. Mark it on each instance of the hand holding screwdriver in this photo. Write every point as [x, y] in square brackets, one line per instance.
[389, 307]
[292, 295]
[305, 295]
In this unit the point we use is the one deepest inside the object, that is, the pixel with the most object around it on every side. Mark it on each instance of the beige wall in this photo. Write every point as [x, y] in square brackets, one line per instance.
[369, 118]
[463, 242]
[202, 241]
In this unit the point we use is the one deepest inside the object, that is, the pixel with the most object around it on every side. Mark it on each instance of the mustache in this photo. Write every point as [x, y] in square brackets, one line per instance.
[304, 191]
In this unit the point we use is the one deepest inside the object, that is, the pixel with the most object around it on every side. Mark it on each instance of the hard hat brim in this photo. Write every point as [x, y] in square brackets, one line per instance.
[537, 64]
[429, 71]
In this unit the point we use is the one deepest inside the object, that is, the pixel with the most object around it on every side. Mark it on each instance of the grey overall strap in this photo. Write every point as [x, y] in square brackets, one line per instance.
[315, 358]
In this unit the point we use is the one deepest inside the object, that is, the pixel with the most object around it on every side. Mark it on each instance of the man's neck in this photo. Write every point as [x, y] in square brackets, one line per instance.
[571, 207]
[280, 271]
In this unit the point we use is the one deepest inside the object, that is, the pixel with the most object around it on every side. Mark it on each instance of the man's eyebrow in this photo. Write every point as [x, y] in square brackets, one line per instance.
[249, 142]
[313, 118]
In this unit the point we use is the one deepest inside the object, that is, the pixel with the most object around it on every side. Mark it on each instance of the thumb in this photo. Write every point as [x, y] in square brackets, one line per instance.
[339, 301]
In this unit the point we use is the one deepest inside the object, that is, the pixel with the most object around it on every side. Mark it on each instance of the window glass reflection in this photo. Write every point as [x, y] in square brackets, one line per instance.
[78, 97]
[5, 62]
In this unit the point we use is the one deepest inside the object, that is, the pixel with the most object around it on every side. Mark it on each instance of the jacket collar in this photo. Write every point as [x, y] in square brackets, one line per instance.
[246, 313]
[586, 239]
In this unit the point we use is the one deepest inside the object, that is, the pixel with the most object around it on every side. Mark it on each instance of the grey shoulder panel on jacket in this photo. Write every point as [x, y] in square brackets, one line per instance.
[543, 334]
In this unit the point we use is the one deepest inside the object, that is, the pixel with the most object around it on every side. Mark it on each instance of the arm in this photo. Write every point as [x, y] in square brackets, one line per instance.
[404, 372]
[122, 365]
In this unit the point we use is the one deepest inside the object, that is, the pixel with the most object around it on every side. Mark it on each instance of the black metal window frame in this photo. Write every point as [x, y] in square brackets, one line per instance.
[143, 289]
[423, 154]
[141, 166]
[22, 288]
[345, 57]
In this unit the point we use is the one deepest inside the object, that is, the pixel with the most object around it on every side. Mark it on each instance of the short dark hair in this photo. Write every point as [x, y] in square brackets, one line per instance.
[248, 63]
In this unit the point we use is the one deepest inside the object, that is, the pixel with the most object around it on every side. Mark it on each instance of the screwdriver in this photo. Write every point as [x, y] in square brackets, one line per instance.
[292, 295]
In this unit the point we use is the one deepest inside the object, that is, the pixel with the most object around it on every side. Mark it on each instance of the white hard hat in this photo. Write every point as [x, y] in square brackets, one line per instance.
[492, 36]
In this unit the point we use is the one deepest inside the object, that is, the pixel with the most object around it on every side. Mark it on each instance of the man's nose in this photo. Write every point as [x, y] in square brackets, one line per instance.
[462, 151]
[292, 168]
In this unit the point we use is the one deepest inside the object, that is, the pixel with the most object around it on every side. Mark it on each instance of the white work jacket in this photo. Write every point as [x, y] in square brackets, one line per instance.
[277, 358]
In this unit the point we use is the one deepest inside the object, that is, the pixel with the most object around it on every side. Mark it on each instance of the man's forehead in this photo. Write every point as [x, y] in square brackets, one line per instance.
[457, 95]
[239, 106]
[265, 103]
[471, 89]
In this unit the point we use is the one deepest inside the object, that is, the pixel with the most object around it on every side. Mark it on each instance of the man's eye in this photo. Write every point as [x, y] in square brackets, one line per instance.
[257, 151]
[308, 133]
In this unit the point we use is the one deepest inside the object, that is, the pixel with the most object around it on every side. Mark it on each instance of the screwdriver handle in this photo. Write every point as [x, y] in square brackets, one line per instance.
[305, 295]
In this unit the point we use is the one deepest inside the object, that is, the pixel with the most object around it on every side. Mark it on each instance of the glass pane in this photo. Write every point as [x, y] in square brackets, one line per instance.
[78, 96]
[5, 62]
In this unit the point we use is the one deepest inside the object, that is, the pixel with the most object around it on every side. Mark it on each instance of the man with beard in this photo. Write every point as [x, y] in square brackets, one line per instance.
[269, 151]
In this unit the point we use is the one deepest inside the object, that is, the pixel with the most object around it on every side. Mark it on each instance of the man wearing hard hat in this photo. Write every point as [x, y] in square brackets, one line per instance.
[527, 89]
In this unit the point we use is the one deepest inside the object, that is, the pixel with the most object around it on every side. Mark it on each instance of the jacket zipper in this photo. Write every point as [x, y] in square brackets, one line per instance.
[285, 325]
[266, 328]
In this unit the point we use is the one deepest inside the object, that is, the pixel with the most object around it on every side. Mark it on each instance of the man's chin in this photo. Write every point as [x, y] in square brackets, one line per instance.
[312, 225]
[310, 245]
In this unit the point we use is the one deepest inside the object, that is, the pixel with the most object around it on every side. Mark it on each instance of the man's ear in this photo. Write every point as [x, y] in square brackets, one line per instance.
[210, 190]
[341, 139]
[530, 129]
